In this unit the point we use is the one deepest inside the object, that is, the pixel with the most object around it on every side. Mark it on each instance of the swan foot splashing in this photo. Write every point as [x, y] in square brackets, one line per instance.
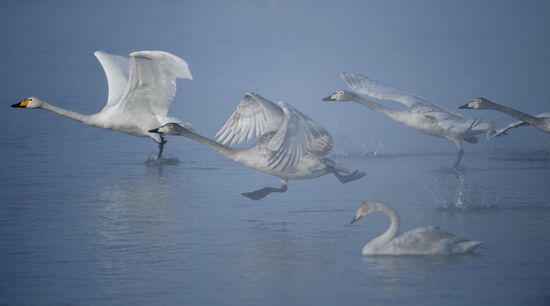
[420, 241]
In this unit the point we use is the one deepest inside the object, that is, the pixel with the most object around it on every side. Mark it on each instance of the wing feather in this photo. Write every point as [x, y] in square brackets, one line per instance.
[297, 136]
[253, 117]
[117, 69]
[152, 81]
[374, 89]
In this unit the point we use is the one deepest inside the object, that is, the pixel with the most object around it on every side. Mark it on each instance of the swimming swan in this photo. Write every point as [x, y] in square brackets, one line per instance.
[421, 114]
[420, 241]
[290, 145]
[540, 121]
[141, 90]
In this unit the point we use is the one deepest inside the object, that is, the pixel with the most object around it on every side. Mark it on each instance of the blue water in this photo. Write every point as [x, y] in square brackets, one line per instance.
[85, 221]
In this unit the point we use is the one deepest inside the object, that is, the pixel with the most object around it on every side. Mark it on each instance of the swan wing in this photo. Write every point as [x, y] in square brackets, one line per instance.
[502, 131]
[451, 121]
[297, 136]
[425, 240]
[117, 69]
[374, 89]
[253, 117]
[151, 85]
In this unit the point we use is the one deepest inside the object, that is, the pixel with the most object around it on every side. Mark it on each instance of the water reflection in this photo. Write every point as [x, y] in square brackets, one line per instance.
[396, 268]
[135, 216]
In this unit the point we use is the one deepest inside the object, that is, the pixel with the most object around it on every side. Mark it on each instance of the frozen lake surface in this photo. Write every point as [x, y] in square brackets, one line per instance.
[83, 221]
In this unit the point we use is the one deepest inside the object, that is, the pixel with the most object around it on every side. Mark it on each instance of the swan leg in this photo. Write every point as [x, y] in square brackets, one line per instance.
[261, 193]
[459, 158]
[161, 146]
[349, 177]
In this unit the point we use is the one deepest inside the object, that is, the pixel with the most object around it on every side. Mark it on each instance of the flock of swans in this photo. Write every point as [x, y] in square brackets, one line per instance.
[289, 145]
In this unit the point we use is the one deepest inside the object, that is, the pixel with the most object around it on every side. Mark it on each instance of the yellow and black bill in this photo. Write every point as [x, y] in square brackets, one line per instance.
[21, 104]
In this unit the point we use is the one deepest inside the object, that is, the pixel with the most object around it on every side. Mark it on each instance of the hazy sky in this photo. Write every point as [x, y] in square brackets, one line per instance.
[446, 51]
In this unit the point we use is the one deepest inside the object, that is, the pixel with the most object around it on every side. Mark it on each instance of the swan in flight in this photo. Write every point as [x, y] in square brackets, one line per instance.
[540, 121]
[141, 90]
[290, 145]
[421, 114]
[420, 241]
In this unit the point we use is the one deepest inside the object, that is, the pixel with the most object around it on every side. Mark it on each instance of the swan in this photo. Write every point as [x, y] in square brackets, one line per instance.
[540, 121]
[420, 241]
[421, 114]
[141, 90]
[290, 145]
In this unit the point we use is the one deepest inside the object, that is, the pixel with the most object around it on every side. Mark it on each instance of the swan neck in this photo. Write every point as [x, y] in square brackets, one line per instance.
[515, 113]
[393, 229]
[214, 145]
[67, 113]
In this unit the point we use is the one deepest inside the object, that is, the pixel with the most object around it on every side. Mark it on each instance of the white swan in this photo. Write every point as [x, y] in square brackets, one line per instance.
[141, 90]
[421, 114]
[420, 241]
[540, 121]
[290, 146]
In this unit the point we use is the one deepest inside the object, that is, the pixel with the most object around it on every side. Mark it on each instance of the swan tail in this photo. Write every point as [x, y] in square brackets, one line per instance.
[467, 246]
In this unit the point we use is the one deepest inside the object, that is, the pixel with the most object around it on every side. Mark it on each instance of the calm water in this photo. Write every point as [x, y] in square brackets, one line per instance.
[83, 221]
[98, 226]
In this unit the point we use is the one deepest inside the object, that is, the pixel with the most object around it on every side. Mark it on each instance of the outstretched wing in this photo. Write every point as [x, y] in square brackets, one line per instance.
[253, 117]
[451, 121]
[152, 81]
[502, 131]
[297, 136]
[374, 89]
[117, 69]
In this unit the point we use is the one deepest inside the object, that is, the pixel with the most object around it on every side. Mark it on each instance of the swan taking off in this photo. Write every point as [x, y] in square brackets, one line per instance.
[290, 145]
[420, 241]
[421, 114]
[141, 90]
[540, 121]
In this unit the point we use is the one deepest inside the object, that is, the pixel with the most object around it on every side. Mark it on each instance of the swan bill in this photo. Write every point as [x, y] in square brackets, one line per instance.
[329, 98]
[22, 104]
[155, 131]
[355, 219]
[465, 106]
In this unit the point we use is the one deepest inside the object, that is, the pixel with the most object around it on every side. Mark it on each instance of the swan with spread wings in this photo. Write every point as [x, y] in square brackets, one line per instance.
[141, 90]
[289, 145]
[420, 114]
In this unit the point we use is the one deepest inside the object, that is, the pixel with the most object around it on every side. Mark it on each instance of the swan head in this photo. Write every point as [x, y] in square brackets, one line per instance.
[171, 128]
[340, 96]
[31, 102]
[366, 208]
[477, 103]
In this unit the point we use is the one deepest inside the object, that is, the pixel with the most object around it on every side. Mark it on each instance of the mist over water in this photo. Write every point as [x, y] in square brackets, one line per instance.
[85, 220]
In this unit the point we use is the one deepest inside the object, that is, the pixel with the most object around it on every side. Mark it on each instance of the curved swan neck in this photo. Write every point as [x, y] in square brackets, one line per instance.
[67, 113]
[532, 120]
[392, 231]
[375, 106]
[214, 145]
